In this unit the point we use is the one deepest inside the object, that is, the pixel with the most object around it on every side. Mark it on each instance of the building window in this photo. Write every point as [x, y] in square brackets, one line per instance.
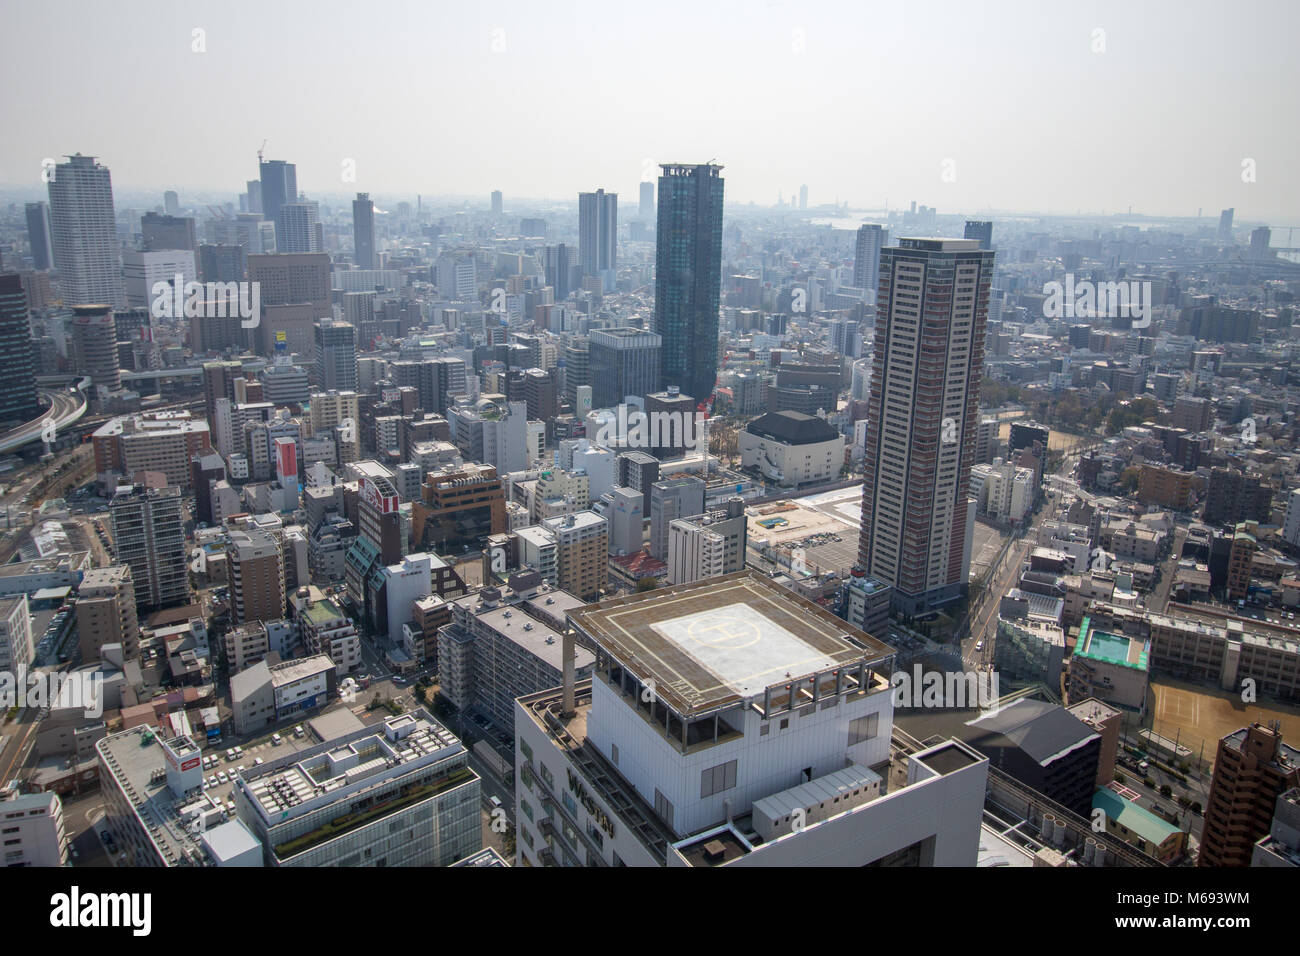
[663, 807]
[863, 728]
[717, 779]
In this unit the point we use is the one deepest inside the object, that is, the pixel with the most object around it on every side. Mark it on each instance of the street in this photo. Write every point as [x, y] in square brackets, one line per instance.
[983, 615]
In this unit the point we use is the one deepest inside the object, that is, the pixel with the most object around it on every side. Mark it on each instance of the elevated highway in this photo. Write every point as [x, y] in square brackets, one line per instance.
[66, 407]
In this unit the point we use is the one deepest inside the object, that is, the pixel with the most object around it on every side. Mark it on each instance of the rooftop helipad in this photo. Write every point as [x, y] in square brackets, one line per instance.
[728, 638]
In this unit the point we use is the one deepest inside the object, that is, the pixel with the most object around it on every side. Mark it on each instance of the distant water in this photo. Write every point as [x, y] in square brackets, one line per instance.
[853, 220]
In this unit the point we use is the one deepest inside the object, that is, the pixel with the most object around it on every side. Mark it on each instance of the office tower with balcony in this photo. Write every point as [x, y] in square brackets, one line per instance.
[39, 235]
[84, 230]
[336, 355]
[688, 276]
[149, 537]
[18, 401]
[922, 418]
[363, 232]
[598, 235]
[866, 255]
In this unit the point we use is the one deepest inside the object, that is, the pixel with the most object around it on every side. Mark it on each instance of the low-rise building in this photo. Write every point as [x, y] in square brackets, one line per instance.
[325, 629]
[265, 694]
[32, 828]
[792, 449]
[397, 794]
[1153, 835]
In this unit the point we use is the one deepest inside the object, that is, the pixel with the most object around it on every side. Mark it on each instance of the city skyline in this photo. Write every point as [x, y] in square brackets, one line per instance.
[911, 478]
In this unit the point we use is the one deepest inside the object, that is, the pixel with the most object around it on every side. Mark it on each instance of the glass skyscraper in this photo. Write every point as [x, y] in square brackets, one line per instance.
[688, 275]
[17, 362]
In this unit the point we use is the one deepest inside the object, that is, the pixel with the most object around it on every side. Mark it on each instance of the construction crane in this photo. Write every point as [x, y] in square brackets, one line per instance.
[259, 153]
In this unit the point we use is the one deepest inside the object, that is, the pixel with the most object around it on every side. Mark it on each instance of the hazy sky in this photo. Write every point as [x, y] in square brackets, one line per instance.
[862, 101]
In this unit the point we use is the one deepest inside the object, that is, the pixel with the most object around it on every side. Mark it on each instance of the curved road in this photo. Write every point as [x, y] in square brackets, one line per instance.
[66, 408]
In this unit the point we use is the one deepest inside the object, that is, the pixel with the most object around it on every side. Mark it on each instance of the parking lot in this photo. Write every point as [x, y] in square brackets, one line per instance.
[825, 526]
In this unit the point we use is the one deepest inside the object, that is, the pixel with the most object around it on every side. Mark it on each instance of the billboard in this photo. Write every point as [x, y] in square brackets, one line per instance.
[286, 461]
[376, 498]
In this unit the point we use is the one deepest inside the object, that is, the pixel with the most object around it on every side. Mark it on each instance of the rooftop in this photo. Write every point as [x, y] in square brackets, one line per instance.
[1110, 648]
[301, 783]
[792, 428]
[715, 642]
[1126, 813]
[320, 612]
[1045, 732]
[304, 667]
[1092, 710]
[135, 760]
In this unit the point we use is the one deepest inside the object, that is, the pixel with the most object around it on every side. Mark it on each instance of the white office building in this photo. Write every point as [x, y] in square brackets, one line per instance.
[142, 270]
[405, 583]
[16, 646]
[731, 723]
[31, 826]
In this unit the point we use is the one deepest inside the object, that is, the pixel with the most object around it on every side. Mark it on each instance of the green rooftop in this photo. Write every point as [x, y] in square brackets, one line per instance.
[1110, 648]
[1155, 830]
[322, 612]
